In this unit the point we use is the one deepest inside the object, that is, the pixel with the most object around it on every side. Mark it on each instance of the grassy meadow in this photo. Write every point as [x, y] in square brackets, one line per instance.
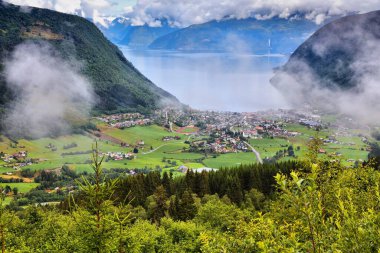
[167, 155]
[22, 187]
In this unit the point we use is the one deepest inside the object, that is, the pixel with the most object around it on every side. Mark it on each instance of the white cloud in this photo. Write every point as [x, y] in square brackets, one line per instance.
[187, 12]
[86, 8]
[301, 84]
[91, 6]
[58, 5]
[49, 100]
[128, 9]
[66, 6]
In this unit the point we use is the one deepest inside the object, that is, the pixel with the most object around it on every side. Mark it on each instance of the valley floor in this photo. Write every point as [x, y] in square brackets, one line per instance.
[146, 145]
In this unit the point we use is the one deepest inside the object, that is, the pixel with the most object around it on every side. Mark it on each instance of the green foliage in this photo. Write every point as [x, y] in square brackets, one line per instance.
[157, 204]
[314, 146]
[218, 215]
[185, 208]
[233, 182]
[285, 207]
[329, 209]
[96, 207]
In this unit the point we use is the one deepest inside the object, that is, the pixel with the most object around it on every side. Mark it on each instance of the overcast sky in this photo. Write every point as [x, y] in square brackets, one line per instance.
[98, 10]
[186, 12]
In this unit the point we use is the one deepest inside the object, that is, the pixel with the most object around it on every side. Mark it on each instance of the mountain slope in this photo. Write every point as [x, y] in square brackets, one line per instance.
[143, 36]
[118, 85]
[246, 35]
[333, 53]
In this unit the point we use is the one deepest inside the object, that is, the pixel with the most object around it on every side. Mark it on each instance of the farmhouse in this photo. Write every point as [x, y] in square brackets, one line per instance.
[20, 155]
[310, 123]
[170, 138]
[183, 169]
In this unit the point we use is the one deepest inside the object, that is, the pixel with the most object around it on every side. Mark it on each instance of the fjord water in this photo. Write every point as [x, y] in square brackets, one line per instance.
[213, 81]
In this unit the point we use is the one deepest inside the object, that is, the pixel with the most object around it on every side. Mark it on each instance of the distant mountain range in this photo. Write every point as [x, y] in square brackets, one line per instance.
[115, 29]
[122, 32]
[118, 85]
[275, 36]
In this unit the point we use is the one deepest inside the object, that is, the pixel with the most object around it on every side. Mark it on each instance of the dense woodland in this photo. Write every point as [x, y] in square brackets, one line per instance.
[310, 206]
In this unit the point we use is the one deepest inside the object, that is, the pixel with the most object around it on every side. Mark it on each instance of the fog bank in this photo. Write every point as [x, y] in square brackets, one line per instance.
[51, 94]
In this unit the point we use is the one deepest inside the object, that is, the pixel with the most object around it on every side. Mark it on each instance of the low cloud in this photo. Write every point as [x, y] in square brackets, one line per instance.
[358, 67]
[86, 8]
[185, 13]
[51, 94]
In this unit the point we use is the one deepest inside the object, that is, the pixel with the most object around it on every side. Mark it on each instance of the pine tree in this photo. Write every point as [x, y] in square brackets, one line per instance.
[189, 179]
[187, 209]
[160, 208]
[314, 145]
[98, 199]
[152, 181]
[234, 191]
[166, 182]
[201, 184]
[174, 207]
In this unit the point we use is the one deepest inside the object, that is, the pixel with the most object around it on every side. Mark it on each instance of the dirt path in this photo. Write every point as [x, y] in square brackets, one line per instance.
[163, 145]
[257, 154]
[106, 137]
[153, 150]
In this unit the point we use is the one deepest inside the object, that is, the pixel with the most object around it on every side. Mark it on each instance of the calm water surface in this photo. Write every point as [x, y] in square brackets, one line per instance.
[213, 81]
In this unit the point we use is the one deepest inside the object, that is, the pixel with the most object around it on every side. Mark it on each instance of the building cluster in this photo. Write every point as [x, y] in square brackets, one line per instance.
[125, 120]
[131, 123]
[222, 144]
[227, 131]
[118, 156]
[248, 124]
[18, 156]
[120, 117]
[171, 138]
[17, 160]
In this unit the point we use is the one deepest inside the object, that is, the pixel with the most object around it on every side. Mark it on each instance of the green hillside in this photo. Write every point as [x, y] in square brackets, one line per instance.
[118, 85]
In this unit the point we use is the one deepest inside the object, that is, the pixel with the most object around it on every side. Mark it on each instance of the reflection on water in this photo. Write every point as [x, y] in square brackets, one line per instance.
[213, 81]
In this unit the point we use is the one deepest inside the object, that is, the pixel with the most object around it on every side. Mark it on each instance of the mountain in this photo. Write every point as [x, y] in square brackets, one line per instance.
[118, 85]
[115, 31]
[276, 36]
[143, 36]
[338, 55]
[122, 32]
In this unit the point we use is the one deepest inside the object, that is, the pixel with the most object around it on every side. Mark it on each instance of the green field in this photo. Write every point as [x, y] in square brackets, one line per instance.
[151, 135]
[349, 147]
[230, 160]
[22, 187]
[268, 147]
[171, 154]
[5, 170]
